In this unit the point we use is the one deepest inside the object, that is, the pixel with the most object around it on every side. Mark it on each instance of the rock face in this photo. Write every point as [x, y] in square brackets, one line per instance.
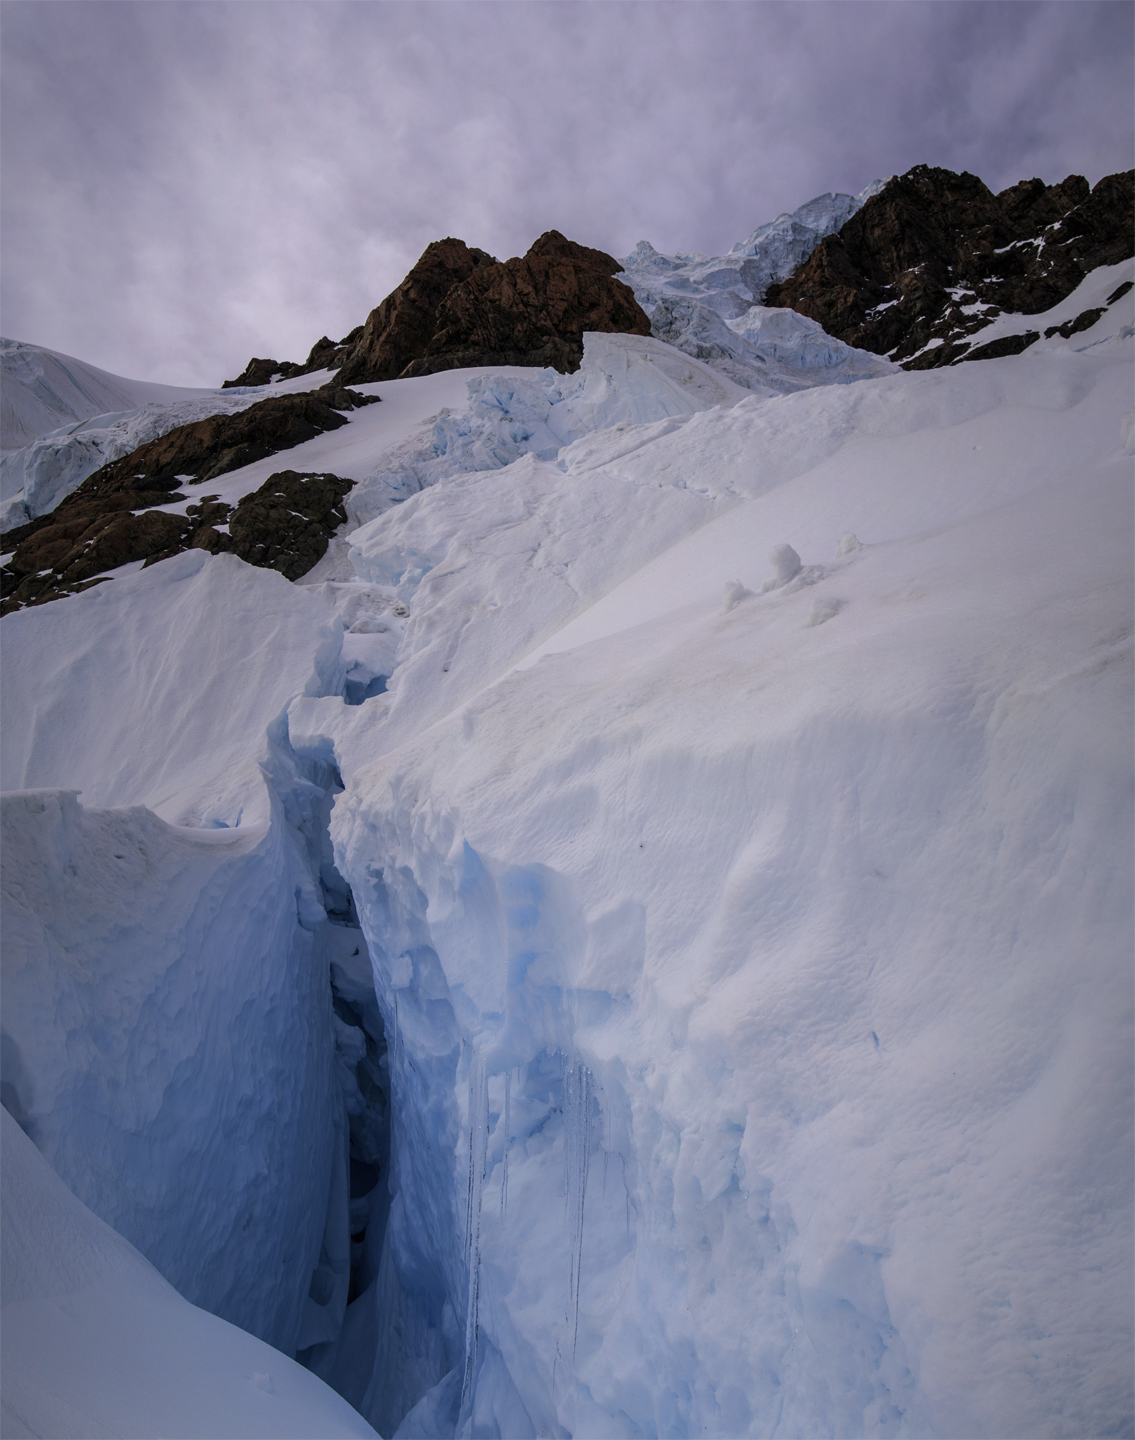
[286, 524]
[532, 310]
[936, 256]
[110, 520]
[208, 448]
[400, 329]
[325, 355]
[459, 306]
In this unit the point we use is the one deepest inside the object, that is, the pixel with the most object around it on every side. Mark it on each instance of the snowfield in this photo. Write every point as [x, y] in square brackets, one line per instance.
[713, 809]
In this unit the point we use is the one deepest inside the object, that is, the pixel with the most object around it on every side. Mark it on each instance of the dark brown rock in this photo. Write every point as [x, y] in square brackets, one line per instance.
[286, 524]
[207, 448]
[931, 244]
[400, 329]
[459, 306]
[97, 527]
[532, 310]
[257, 372]
[1084, 321]
[325, 355]
[1007, 345]
[119, 539]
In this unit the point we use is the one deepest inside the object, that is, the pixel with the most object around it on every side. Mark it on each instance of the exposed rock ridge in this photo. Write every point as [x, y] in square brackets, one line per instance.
[460, 307]
[935, 257]
[112, 519]
[325, 354]
[532, 310]
[400, 329]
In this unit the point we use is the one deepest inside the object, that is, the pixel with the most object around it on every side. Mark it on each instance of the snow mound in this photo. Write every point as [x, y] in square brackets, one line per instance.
[161, 687]
[97, 1343]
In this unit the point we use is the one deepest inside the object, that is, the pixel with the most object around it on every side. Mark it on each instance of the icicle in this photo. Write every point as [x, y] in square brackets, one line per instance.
[478, 1146]
[507, 1137]
[577, 1158]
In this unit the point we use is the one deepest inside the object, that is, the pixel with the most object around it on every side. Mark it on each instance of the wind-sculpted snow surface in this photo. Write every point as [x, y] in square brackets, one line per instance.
[161, 688]
[625, 380]
[745, 923]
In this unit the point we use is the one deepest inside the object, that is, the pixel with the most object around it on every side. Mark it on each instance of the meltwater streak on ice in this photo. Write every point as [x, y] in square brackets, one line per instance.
[507, 1138]
[577, 1159]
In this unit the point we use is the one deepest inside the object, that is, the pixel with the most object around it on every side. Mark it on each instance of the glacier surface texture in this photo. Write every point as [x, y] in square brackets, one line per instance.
[636, 943]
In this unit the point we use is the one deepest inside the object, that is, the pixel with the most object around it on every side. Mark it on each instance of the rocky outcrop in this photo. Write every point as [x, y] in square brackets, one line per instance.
[208, 448]
[286, 524]
[459, 307]
[111, 519]
[532, 310]
[934, 257]
[325, 354]
[400, 329]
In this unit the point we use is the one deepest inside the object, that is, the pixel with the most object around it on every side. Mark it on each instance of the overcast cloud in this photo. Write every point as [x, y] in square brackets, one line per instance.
[189, 184]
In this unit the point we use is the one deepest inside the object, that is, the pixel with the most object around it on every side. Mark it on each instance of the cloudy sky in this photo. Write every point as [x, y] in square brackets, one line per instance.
[187, 184]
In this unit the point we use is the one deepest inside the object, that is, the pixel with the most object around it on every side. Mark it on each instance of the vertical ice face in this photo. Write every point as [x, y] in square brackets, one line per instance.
[495, 1132]
[171, 1014]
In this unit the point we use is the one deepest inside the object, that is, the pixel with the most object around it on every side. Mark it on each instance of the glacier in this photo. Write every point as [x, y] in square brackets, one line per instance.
[710, 306]
[569, 967]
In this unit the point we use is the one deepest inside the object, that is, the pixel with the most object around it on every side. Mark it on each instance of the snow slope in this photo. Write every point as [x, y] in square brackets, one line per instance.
[97, 1343]
[167, 1029]
[43, 389]
[766, 920]
[754, 957]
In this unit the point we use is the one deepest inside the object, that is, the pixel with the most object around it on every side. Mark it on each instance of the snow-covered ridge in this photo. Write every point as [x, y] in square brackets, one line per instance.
[87, 418]
[42, 390]
[36, 477]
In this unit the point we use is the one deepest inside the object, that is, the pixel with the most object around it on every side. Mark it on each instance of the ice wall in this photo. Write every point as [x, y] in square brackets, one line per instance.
[726, 975]
[97, 1343]
[167, 1016]
[167, 1043]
